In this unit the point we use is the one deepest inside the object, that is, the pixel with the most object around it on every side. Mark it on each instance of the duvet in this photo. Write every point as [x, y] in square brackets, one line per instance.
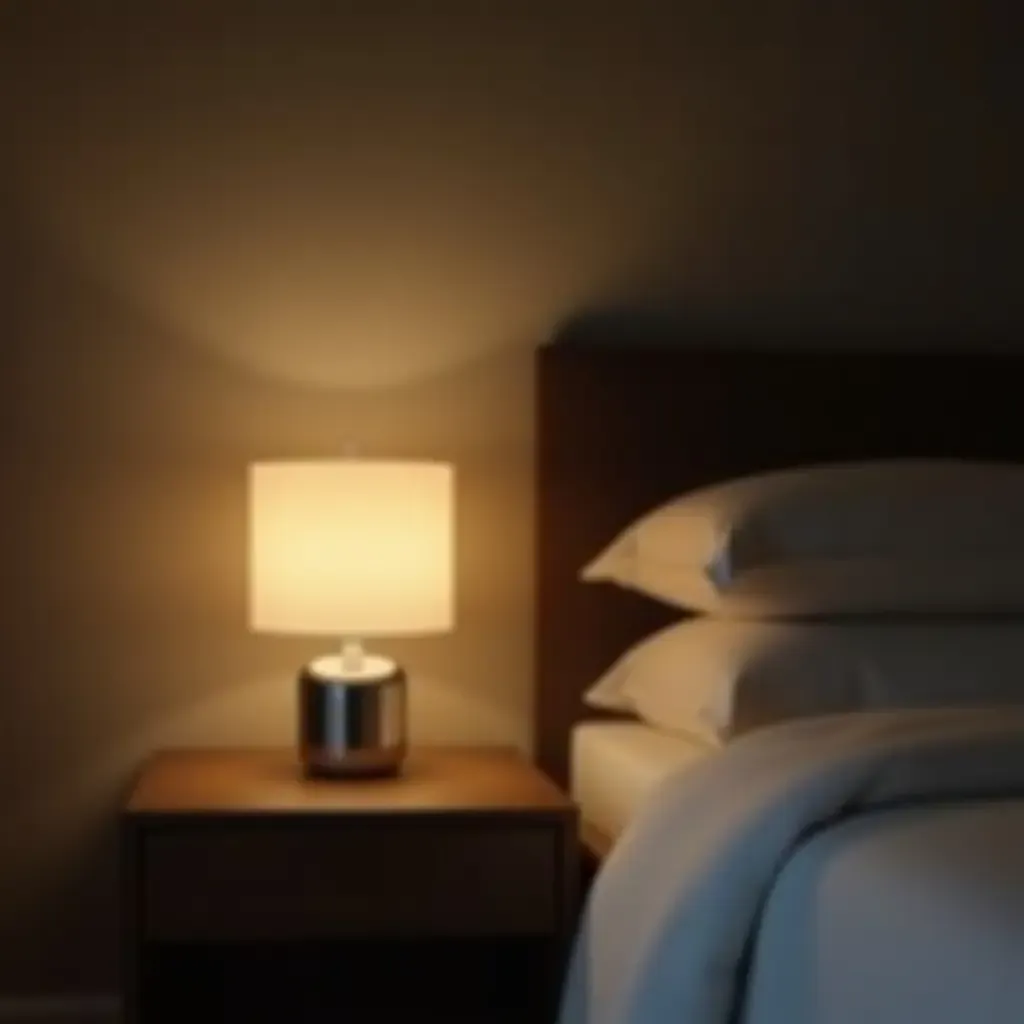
[676, 925]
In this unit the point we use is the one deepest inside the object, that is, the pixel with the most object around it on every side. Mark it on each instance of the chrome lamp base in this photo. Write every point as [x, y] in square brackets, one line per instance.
[352, 725]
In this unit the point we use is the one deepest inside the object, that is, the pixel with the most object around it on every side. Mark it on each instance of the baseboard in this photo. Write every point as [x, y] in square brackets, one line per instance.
[75, 1009]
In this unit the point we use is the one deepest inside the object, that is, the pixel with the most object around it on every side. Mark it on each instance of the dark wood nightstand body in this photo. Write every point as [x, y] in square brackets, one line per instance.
[235, 846]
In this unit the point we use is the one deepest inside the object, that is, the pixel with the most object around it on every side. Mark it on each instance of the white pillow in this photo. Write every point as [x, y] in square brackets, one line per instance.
[984, 585]
[713, 679]
[868, 526]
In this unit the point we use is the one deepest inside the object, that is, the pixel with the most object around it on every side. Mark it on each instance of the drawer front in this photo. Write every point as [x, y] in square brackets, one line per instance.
[308, 879]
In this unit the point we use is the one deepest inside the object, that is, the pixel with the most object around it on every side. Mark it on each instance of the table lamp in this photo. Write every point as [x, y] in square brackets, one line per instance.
[351, 548]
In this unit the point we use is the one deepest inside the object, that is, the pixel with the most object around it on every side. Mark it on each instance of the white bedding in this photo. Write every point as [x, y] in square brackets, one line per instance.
[615, 765]
[936, 892]
[678, 906]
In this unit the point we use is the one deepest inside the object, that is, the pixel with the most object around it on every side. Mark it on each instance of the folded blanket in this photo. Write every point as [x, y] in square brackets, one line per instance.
[674, 910]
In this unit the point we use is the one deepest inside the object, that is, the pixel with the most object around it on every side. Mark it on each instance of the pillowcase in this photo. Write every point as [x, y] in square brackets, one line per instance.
[859, 533]
[985, 585]
[713, 679]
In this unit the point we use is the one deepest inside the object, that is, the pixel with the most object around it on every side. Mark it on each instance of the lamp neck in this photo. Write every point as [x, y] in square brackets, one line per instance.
[352, 655]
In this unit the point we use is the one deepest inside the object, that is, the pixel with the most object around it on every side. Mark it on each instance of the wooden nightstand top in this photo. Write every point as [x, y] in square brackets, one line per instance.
[268, 781]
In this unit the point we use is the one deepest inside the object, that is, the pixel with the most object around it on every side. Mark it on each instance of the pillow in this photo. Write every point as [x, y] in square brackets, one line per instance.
[867, 526]
[714, 679]
[984, 585]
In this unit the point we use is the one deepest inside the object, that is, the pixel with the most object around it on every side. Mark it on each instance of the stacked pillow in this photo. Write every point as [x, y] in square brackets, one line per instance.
[891, 538]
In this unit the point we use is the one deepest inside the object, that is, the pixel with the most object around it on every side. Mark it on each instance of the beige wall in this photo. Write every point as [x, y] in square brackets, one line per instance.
[227, 234]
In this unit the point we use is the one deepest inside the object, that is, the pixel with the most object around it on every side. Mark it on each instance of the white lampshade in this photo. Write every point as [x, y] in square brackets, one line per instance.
[351, 547]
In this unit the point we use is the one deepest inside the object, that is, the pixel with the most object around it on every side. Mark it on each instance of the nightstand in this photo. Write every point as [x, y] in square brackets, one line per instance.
[252, 893]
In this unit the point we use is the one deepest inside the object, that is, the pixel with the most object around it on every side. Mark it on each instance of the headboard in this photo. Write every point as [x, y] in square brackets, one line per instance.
[630, 416]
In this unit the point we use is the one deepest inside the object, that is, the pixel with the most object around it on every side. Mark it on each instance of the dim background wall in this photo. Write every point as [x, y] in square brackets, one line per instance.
[241, 230]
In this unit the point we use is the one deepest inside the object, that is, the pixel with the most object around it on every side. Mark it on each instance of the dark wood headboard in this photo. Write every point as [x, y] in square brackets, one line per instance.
[628, 420]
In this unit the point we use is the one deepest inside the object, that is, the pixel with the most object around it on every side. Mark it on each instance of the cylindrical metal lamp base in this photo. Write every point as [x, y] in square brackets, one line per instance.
[351, 728]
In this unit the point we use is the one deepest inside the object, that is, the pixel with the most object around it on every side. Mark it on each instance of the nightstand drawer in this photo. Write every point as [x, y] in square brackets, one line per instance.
[283, 879]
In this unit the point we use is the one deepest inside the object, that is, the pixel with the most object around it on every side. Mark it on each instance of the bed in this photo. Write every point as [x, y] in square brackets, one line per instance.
[615, 766]
[630, 412]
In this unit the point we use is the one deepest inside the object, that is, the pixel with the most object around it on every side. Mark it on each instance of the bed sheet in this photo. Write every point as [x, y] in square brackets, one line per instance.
[615, 765]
